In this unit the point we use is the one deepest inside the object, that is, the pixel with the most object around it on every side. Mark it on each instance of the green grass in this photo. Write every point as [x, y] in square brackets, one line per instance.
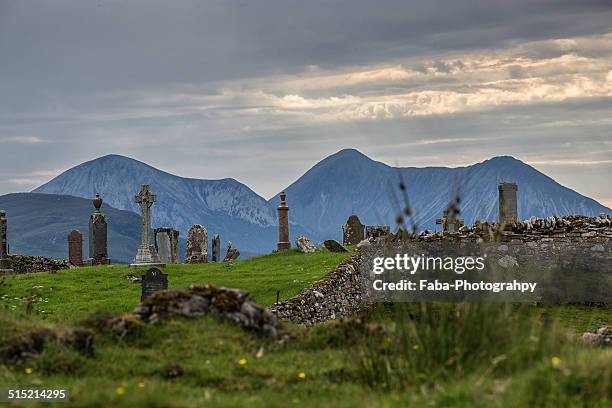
[71, 295]
[482, 355]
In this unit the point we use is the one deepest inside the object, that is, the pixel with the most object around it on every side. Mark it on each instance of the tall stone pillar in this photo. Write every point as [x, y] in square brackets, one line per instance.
[283, 225]
[75, 248]
[508, 207]
[146, 255]
[5, 263]
[98, 230]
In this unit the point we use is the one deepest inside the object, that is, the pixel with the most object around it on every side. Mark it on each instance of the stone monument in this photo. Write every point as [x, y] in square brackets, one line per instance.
[216, 248]
[98, 230]
[197, 245]
[508, 208]
[167, 245]
[352, 231]
[283, 225]
[75, 248]
[446, 222]
[153, 280]
[232, 253]
[5, 262]
[146, 255]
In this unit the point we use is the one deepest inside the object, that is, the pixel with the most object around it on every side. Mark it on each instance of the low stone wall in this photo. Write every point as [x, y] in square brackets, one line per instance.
[337, 294]
[29, 264]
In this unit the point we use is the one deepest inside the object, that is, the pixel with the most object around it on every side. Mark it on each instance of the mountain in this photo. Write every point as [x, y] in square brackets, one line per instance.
[349, 182]
[224, 207]
[38, 224]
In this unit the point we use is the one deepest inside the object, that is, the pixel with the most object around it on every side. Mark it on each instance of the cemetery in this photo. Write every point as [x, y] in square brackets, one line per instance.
[292, 324]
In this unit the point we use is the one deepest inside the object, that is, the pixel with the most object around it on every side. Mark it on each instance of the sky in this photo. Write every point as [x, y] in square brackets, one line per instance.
[262, 90]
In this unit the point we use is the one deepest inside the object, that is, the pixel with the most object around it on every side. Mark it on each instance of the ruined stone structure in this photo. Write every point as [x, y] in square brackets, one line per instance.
[147, 254]
[283, 225]
[508, 206]
[98, 235]
[375, 231]
[216, 248]
[5, 263]
[197, 245]
[447, 222]
[167, 245]
[352, 231]
[75, 248]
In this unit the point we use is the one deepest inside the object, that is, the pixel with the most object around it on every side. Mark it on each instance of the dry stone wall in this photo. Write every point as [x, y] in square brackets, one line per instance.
[30, 264]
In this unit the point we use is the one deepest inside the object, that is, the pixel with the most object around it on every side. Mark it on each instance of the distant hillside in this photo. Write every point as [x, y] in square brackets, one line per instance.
[350, 182]
[38, 224]
[224, 207]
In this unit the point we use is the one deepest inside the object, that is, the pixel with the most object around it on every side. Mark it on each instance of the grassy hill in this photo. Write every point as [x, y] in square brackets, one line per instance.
[391, 355]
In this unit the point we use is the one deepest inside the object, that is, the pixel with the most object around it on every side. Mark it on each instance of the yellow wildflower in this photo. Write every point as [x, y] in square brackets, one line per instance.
[120, 390]
[29, 371]
[301, 375]
[140, 385]
[243, 361]
[555, 361]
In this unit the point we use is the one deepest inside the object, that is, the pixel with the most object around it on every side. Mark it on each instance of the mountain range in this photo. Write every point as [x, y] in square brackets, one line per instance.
[320, 201]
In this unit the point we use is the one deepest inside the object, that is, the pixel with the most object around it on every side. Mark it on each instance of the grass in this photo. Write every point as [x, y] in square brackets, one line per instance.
[479, 355]
[73, 294]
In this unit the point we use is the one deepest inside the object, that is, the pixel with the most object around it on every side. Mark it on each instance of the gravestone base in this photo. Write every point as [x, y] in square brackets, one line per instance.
[146, 256]
[96, 262]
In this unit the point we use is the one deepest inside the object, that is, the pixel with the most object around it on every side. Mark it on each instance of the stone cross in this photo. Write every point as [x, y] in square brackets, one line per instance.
[153, 280]
[75, 248]
[98, 235]
[147, 255]
[5, 263]
[446, 222]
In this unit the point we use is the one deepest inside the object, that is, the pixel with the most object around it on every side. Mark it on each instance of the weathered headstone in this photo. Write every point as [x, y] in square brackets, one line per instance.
[197, 245]
[283, 224]
[334, 246]
[153, 280]
[5, 263]
[447, 221]
[508, 207]
[216, 248]
[167, 245]
[98, 230]
[75, 248]
[146, 255]
[305, 245]
[376, 231]
[232, 253]
[353, 231]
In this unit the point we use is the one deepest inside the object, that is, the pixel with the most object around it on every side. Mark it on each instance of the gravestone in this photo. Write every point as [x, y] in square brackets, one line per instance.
[333, 246]
[98, 230]
[153, 280]
[446, 222]
[5, 263]
[75, 248]
[305, 245]
[146, 255]
[197, 245]
[232, 253]
[376, 231]
[167, 245]
[216, 248]
[283, 225]
[352, 231]
[508, 207]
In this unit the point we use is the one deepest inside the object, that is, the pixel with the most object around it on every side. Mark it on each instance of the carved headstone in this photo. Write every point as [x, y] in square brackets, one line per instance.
[283, 224]
[75, 248]
[146, 255]
[98, 230]
[5, 263]
[153, 280]
[232, 253]
[216, 248]
[167, 245]
[197, 245]
[376, 231]
[353, 231]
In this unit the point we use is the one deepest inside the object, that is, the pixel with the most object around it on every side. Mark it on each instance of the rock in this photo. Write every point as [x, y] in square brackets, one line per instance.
[305, 245]
[199, 300]
[507, 261]
[334, 246]
[364, 243]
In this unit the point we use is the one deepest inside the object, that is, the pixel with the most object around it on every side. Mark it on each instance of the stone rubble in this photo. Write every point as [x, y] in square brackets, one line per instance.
[602, 337]
[31, 264]
[305, 245]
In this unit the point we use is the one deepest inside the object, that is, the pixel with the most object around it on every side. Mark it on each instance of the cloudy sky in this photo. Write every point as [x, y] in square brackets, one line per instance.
[262, 90]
